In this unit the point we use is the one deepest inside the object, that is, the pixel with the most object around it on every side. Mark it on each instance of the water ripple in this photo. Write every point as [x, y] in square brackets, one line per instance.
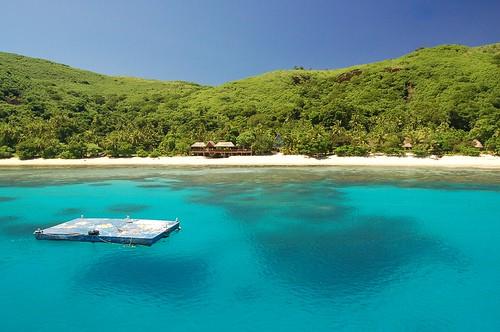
[127, 208]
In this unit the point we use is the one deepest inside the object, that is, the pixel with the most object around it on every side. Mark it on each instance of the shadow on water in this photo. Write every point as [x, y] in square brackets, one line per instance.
[16, 227]
[70, 212]
[6, 219]
[308, 237]
[315, 202]
[127, 208]
[15, 230]
[165, 278]
[319, 214]
[157, 182]
[153, 186]
[355, 259]
[6, 199]
[100, 184]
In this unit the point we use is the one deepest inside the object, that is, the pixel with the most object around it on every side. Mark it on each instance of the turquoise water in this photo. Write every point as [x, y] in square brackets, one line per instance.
[261, 249]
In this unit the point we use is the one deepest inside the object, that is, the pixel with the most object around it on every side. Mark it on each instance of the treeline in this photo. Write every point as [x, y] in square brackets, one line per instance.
[435, 100]
[301, 137]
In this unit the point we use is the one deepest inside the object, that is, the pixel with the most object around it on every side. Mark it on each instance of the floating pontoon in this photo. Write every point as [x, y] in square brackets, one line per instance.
[126, 231]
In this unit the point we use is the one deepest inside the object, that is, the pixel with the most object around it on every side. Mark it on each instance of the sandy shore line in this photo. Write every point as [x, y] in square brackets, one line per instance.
[485, 161]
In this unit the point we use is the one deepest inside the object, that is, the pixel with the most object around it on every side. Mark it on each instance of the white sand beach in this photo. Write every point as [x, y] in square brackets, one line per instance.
[484, 161]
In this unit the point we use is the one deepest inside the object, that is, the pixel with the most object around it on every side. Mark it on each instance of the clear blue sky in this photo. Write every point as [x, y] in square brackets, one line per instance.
[212, 42]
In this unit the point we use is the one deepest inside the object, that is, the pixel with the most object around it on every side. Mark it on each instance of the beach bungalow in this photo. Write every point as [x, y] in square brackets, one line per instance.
[221, 149]
[477, 144]
[198, 146]
[225, 145]
[407, 144]
[210, 145]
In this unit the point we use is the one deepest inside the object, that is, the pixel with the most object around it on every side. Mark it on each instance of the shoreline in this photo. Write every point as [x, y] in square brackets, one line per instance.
[484, 161]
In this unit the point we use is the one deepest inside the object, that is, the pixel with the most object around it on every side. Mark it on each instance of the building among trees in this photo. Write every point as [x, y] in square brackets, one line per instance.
[217, 150]
[477, 144]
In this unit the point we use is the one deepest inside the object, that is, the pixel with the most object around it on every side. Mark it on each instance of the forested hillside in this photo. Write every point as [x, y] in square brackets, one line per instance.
[438, 99]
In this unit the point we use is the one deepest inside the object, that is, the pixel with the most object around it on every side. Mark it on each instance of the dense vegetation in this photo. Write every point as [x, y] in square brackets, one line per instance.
[438, 99]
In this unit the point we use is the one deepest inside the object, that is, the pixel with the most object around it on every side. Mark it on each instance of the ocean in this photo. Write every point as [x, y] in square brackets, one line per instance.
[269, 249]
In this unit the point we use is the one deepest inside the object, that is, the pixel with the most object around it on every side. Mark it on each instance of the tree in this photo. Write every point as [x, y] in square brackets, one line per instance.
[6, 152]
[246, 139]
[92, 150]
[348, 150]
[264, 140]
[50, 148]
[493, 144]
[118, 144]
[76, 148]
[446, 140]
[30, 148]
[9, 135]
[64, 127]
[167, 145]
[307, 139]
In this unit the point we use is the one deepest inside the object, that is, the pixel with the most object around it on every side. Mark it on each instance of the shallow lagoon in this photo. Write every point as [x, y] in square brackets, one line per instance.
[261, 248]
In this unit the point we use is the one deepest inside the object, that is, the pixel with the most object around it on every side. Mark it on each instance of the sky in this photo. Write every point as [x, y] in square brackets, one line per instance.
[215, 41]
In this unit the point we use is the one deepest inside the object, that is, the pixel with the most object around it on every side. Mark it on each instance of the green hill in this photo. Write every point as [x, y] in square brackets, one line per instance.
[438, 99]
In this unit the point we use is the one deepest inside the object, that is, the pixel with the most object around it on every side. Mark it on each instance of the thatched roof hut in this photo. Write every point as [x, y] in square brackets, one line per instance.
[407, 144]
[224, 145]
[198, 145]
[477, 144]
[211, 144]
